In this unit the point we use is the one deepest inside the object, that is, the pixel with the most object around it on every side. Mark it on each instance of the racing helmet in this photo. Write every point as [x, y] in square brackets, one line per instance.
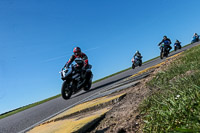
[77, 51]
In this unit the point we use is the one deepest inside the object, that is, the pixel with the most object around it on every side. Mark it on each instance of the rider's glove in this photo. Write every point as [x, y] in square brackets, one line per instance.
[66, 65]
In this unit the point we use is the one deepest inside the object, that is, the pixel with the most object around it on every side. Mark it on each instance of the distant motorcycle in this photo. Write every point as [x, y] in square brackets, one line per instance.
[136, 62]
[73, 77]
[177, 46]
[195, 39]
[163, 51]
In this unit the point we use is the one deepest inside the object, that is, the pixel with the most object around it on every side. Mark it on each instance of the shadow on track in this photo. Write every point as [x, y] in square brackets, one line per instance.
[101, 86]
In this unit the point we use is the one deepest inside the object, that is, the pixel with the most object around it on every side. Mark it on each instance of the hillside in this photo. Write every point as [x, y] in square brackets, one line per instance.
[167, 100]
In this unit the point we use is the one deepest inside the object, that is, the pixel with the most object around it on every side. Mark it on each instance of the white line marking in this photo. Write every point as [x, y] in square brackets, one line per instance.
[27, 129]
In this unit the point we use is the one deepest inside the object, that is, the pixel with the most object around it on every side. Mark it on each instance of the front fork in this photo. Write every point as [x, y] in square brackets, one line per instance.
[71, 86]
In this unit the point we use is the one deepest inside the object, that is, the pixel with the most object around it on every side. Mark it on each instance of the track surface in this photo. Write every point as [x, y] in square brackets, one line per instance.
[24, 120]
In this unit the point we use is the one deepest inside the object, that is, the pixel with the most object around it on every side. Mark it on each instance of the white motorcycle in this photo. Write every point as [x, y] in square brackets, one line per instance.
[73, 77]
[136, 62]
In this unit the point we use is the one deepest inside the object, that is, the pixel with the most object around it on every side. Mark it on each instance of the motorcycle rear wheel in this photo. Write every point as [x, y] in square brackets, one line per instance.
[66, 92]
[88, 86]
[175, 48]
[166, 54]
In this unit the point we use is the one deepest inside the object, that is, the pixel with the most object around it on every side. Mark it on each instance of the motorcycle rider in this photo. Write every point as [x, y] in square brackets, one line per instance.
[138, 55]
[195, 38]
[86, 72]
[166, 42]
[177, 43]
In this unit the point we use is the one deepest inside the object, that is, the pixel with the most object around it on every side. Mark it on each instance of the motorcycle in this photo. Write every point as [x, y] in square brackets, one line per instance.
[195, 39]
[73, 77]
[163, 51]
[177, 46]
[136, 62]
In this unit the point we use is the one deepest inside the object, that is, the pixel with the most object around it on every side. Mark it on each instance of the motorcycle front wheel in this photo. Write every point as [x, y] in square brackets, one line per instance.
[133, 66]
[66, 92]
[161, 55]
[140, 64]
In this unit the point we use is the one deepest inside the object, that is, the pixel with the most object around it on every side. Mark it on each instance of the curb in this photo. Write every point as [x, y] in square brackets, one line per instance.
[90, 124]
[80, 123]
[153, 67]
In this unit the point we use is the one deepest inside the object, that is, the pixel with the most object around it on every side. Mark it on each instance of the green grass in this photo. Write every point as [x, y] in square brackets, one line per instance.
[128, 68]
[111, 75]
[175, 104]
[48, 99]
[121, 71]
[26, 107]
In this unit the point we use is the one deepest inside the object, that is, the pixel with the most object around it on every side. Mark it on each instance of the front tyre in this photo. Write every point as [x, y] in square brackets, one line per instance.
[161, 55]
[66, 91]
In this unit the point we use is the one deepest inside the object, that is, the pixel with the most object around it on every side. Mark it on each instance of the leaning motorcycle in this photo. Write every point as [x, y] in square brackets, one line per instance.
[195, 39]
[73, 77]
[163, 51]
[177, 46]
[136, 62]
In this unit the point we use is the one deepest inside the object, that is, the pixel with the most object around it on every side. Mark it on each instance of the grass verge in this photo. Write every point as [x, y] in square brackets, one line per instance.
[26, 107]
[121, 71]
[175, 104]
[129, 68]
[48, 99]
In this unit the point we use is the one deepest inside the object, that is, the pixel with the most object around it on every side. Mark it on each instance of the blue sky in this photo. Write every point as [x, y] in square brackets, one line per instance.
[37, 38]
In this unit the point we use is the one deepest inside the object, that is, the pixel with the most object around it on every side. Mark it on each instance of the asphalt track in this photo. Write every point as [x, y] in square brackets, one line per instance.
[23, 121]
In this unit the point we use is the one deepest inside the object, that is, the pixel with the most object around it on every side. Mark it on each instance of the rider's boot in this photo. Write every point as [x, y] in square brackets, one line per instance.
[86, 79]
